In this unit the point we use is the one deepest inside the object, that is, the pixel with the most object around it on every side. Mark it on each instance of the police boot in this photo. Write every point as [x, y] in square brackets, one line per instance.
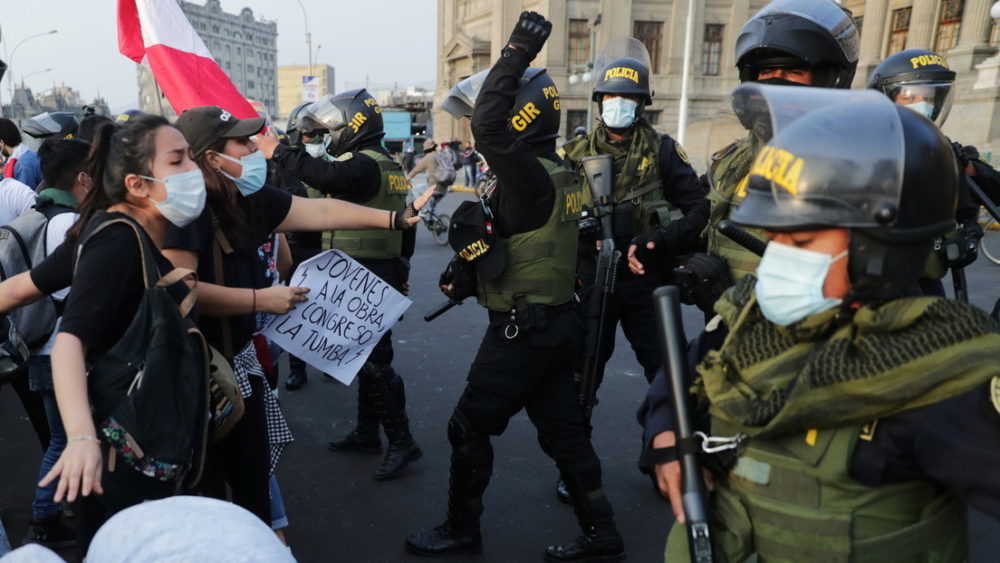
[600, 540]
[390, 402]
[471, 468]
[365, 436]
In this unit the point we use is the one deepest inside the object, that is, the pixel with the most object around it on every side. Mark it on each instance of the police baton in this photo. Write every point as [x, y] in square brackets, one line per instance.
[668, 314]
[742, 238]
[440, 310]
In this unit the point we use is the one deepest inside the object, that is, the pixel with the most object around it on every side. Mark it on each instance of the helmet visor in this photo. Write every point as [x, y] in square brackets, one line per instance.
[824, 13]
[931, 100]
[462, 98]
[623, 47]
[764, 109]
[322, 114]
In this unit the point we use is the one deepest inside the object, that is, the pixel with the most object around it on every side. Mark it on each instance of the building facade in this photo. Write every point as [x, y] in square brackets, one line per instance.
[245, 48]
[290, 85]
[472, 32]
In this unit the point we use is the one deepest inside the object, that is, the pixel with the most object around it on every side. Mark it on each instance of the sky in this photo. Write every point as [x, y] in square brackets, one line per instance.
[388, 41]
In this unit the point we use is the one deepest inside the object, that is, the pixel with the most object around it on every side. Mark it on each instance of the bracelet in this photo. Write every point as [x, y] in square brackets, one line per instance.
[82, 439]
[392, 220]
[254, 306]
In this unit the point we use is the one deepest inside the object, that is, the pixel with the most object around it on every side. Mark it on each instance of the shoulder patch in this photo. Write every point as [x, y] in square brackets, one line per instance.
[995, 392]
[681, 153]
[345, 157]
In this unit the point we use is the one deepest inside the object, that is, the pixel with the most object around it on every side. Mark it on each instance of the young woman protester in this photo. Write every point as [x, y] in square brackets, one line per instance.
[222, 246]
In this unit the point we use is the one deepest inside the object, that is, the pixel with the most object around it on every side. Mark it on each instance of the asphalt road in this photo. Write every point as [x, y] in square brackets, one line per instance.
[339, 513]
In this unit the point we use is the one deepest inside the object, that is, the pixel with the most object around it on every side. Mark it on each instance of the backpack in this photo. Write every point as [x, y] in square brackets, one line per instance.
[22, 246]
[150, 391]
[445, 172]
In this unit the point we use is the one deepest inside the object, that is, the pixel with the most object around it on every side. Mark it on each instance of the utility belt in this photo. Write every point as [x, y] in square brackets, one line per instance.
[526, 317]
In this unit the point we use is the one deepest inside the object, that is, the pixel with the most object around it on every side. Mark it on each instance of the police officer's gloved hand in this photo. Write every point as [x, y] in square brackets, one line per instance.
[660, 250]
[530, 33]
[458, 280]
[708, 279]
[962, 248]
[965, 153]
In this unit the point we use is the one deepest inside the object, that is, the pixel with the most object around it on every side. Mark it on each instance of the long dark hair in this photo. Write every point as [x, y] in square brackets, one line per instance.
[118, 150]
[236, 215]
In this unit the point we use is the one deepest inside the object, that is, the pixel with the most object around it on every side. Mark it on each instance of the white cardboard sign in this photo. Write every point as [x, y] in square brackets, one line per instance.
[348, 311]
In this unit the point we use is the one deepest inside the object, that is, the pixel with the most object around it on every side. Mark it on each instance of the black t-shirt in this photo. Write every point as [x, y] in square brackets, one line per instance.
[107, 286]
[240, 268]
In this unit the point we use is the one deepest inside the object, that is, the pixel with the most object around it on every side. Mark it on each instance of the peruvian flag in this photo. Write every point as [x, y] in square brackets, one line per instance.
[157, 34]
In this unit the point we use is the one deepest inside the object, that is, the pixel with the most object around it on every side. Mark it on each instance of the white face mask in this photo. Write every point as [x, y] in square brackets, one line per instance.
[618, 113]
[790, 283]
[315, 150]
[185, 197]
[925, 109]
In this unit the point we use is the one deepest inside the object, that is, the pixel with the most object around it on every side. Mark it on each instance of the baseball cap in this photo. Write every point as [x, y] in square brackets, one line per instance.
[203, 126]
[473, 237]
[429, 144]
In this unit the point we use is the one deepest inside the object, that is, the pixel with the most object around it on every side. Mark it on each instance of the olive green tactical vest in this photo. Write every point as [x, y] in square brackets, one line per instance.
[541, 264]
[792, 499]
[391, 196]
[729, 174]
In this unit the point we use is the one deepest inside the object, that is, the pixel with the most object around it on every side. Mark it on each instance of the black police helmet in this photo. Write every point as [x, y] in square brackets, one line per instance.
[624, 77]
[13, 351]
[817, 34]
[353, 118]
[871, 166]
[58, 124]
[128, 114]
[917, 77]
[294, 126]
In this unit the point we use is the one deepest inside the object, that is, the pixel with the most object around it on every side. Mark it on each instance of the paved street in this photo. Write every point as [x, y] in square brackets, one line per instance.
[339, 513]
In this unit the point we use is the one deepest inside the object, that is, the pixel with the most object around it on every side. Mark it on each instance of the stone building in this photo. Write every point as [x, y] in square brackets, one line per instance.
[290, 87]
[244, 47]
[471, 33]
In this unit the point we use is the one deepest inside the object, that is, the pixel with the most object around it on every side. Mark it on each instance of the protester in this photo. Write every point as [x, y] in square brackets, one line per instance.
[22, 163]
[15, 199]
[470, 164]
[438, 175]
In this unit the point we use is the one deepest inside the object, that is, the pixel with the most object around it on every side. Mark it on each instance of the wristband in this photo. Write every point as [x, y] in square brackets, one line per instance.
[82, 439]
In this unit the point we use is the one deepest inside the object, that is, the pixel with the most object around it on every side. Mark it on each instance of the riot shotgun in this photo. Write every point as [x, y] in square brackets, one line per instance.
[667, 300]
[599, 171]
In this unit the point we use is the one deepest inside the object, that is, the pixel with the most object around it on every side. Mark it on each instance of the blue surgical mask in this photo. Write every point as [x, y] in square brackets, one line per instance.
[790, 283]
[316, 150]
[254, 173]
[618, 113]
[925, 109]
[185, 197]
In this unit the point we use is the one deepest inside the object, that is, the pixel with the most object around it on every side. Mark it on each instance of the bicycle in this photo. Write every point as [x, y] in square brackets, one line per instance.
[990, 243]
[437, 223]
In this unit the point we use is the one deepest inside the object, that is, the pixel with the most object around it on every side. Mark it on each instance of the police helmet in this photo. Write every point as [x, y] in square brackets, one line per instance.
[58, 124]
[626, 76]
[128, 114]
[817, 34]
[866, 164]
[535, 115]
[13, 350]
[580, 131]
[353, 118]
[918, 79]
[294, 127]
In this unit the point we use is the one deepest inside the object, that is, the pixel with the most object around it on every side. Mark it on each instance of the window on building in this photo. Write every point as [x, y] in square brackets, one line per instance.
[900, 28]
[652, 116]
[215, 29]
[575, 118]
[711, 49]
[948, 25]
[249, 68]
[251, 84]
[579, 43]
[651, 35]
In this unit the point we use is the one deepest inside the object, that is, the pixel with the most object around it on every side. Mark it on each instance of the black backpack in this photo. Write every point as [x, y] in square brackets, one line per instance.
[22, 246]
[150, 391]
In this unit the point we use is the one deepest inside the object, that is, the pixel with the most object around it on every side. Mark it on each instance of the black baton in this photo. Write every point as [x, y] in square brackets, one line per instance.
[440, 310]
[742, 238]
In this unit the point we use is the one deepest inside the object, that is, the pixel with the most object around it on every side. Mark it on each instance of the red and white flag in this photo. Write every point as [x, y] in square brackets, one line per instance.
[159, 35]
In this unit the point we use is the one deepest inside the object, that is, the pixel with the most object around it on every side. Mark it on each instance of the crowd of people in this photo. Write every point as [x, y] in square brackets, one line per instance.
[847, 409]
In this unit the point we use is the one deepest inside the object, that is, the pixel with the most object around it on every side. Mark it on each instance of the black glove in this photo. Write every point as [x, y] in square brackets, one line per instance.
[661, 251]
[461, 275]
[400, 219]
[702, 279]
[965, 154]
[530, 33]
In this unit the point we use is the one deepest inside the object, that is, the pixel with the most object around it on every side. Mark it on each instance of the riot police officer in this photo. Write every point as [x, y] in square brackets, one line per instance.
[522, 361]
[921, 81]
[362, 172]
[57, 124]
[788, 42]
[854, 430]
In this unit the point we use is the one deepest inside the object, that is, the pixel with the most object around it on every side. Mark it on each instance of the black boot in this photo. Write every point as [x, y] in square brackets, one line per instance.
[297, 374]
[600, 540]
[390, 402]
[365, 437]
[471, 468]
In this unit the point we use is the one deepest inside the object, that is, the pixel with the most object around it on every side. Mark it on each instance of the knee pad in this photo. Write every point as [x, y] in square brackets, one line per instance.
[461, 433]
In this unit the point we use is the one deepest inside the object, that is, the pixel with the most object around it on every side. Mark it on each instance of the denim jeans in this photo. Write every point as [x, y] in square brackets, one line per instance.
[470, 175]
[4, 542]
[279, 519]
[40, 378]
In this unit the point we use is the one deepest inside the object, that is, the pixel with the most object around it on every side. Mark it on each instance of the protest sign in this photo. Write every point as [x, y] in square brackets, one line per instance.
[348, 311]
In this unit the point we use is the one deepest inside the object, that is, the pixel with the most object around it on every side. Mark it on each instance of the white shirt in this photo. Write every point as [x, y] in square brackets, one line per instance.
[15, 199]
[54, 236]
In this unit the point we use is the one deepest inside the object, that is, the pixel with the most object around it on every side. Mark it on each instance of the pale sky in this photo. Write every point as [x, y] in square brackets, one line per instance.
[390, 41]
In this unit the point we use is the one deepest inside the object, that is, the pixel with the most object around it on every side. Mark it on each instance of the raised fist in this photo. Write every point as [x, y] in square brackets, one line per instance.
[530, 33]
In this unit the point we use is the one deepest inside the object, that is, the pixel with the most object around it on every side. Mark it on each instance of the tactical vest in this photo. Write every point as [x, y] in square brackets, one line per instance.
[541, 264]
[728, 175]
[792, 499]
[391, 196]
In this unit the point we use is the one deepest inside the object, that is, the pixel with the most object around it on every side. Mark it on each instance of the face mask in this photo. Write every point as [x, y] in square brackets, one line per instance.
[254, 172]
[925, 109]
[315, 150]
[618, 113]
[790, 283]
[185, 197]
[775, 81]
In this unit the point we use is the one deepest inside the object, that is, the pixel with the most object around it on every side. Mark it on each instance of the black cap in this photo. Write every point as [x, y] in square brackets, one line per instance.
[473, 236]
[203, 126]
